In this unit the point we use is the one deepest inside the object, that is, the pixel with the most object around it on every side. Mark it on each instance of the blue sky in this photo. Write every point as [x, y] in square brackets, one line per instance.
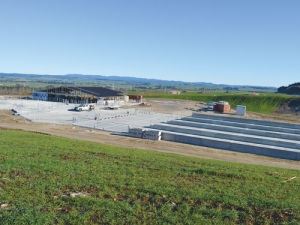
[224, 42]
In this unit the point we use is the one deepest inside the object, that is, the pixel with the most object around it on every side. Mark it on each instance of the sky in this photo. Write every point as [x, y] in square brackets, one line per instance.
[235, 42]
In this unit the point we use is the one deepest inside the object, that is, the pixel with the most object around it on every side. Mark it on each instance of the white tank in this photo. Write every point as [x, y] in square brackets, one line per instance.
[241, 110]
[126, 98]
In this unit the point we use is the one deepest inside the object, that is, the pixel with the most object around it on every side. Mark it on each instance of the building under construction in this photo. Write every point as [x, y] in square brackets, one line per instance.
[77, 94]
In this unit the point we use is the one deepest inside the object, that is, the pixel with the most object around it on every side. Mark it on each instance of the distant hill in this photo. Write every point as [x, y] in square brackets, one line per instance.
[130, 79]
[125, 79]
[292, 89]
[99, 77]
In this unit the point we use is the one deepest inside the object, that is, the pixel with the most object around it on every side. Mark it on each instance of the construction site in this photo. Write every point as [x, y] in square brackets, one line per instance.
[211, 129]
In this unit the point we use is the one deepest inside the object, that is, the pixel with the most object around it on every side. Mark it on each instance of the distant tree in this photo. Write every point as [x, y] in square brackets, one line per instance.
[295, 84]
[50, 87]
[282, 89]
[291, 89]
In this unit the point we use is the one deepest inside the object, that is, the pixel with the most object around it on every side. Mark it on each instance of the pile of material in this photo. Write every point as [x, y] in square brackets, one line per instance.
[146, 134]
[222, 107]
[144, 104]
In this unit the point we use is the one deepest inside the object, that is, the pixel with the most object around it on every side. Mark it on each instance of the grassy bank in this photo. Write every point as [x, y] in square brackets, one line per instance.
[39, 173]
[264, 103]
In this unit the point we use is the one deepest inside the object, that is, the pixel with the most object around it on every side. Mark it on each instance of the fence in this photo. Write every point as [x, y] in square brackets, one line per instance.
[104, 125]
[103, 119]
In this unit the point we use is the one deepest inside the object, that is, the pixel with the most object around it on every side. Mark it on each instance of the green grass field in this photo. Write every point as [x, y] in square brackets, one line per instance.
[39, 173]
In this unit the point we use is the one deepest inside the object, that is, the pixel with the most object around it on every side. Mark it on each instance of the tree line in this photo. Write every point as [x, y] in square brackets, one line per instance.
[19, 90]
[292, 89]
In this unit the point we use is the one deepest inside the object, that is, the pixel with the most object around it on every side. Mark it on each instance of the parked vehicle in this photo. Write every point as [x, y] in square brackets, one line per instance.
[113, 107]
[210, 105]
[85, 107]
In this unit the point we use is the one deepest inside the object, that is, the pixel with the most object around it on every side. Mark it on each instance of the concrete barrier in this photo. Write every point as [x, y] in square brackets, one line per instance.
[233, 129]
[280, 140]
[243, 125]
[265, 150]
[136, 132]
[248, 121]
[229, 136]
[153, 135]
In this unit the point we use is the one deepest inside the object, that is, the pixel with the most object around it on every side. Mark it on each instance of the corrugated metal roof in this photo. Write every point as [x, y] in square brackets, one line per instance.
[94, 91]
[97, 91]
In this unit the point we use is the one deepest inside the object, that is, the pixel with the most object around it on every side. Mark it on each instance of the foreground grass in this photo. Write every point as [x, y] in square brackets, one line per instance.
[129, 186]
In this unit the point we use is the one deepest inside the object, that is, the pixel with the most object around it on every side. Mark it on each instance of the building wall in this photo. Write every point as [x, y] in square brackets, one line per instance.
[175, 92]
[137, 98]
[76, 95]
[37, 95]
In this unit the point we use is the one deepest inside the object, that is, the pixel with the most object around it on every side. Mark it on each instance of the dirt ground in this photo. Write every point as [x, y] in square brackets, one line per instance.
[9, 121]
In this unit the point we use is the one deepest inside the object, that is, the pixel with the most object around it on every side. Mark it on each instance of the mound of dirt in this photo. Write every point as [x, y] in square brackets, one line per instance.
[292, 105]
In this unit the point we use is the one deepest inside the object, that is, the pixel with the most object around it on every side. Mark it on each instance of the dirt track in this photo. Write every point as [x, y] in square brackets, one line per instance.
[7, 120]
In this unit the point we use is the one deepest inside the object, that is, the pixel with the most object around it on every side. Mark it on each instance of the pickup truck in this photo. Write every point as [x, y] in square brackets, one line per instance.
[85, 107]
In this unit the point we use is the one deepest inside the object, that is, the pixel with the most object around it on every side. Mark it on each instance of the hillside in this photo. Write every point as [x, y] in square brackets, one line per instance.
[292, 89]
[54, 180]
[264, 103]
[124, 81]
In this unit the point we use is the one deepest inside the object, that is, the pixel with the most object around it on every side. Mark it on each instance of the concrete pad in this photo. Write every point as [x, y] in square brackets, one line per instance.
[100, 118]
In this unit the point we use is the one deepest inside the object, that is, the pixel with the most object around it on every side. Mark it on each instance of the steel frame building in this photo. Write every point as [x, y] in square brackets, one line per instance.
[77, 94]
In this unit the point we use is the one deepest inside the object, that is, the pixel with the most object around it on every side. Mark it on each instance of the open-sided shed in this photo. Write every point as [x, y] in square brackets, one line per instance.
[76, 94]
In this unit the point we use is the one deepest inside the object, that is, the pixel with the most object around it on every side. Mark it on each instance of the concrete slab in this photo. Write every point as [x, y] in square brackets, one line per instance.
[100, 118]
[242, 125]
[248, 121]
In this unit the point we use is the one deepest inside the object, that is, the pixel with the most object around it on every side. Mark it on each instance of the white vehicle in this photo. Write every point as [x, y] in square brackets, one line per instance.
[84, 107]
[114, 107]
[223, 102]
[210, 105]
